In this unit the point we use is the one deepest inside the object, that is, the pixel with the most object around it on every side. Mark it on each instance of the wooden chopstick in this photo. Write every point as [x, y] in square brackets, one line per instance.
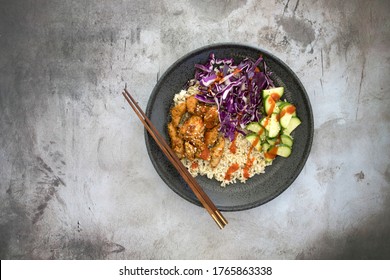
[171, 155]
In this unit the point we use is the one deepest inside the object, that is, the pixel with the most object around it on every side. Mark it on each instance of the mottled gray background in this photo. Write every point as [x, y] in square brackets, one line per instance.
[75, 178]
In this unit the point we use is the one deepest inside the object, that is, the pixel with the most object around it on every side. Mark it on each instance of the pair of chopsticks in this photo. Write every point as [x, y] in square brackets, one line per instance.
[171, 155]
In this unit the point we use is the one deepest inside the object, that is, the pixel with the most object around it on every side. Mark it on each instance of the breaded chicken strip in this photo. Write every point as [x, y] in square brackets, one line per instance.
[217, 151]
[177, 112]
[211, 136]
[211, 117]
[189, 150]
[191, 103]
[192, 131]
[177, 143]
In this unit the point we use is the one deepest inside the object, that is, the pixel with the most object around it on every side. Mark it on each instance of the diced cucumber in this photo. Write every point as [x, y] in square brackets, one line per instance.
[276, 110]
[262, 134]
[254, 127]
[274, 92]
[286, 139]
[282, 104]
[285, 120]
[268, 160]
[272, 141]
[286, 114]
[283, 150]
[258, 129]
[266, 146]
[271, 124]
[293, 124]
[267, 156]
[264, 122]
[271, 153]
[270, 106]
[274, 126]
[254, 139]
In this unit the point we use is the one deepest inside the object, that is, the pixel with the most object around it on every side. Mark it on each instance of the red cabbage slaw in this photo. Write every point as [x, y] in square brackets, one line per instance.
[235, 89]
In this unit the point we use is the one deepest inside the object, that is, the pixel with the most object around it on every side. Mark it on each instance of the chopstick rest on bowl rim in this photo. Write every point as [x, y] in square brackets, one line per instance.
[170, 154]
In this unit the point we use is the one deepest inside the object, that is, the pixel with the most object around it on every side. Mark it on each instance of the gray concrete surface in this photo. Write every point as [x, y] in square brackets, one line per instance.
[75, 178]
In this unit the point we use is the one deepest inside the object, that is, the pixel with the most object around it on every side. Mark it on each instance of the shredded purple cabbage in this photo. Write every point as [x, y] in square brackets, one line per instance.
[235, 89]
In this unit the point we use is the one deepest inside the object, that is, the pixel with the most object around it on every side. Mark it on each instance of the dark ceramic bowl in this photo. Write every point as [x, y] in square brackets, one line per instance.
[260, 188]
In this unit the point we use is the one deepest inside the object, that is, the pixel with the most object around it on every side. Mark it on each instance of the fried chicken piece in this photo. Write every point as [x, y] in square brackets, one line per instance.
[192, 131]
[201, 110]
[211, 136]
[217, 151]
[191, 103]
[211, 117]
[177, 112]
[177, 143]
[189, 150]
[203, 153]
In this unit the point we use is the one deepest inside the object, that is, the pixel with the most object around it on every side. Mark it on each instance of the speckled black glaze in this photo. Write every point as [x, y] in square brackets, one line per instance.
[260, 188]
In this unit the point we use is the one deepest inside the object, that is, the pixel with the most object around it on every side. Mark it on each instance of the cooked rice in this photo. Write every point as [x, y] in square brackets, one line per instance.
[228, 159]
[240, 157]
[183, 94]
